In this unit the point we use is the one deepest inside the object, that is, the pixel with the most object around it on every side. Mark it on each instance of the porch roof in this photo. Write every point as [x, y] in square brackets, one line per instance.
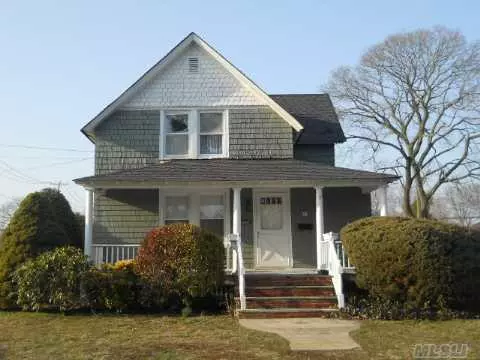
[230, 171]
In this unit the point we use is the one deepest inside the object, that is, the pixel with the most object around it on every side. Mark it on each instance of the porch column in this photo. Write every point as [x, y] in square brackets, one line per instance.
[88, 222]
[237, 212]
[319, 223]
[382, 200]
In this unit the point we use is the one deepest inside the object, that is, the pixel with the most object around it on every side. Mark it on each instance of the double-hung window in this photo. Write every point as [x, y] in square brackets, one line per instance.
[176, 134]
[176, 209]
[204, 209]
[212, 213]
[194, 134]
[211, 133]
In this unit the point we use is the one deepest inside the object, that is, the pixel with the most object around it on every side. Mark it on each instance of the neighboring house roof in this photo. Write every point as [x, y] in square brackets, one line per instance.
[166, 60]
[316, 114]
[175, 172]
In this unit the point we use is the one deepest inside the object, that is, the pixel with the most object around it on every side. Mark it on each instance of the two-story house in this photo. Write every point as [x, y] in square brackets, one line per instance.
[195, 140]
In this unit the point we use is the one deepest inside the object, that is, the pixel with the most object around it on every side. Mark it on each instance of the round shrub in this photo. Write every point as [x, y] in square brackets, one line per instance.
[52, 280]
[418, 263]
[182, 260]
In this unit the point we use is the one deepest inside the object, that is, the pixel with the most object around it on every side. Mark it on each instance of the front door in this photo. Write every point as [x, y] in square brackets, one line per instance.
[272, 229]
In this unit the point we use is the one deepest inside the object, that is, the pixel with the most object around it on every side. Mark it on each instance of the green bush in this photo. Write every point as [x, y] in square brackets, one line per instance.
[422, 264]
[70, 222]
[112, 288]
[42, 222]
[52, 280]
[181, 261]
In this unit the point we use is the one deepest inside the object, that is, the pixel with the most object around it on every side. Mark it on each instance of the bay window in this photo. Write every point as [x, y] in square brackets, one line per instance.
[194, 134]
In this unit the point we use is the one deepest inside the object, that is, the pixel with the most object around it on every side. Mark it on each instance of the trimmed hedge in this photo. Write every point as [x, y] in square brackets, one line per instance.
[423, 264]
[183, 261]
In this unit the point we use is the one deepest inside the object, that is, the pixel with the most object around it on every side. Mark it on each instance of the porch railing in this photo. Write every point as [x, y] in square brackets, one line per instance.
[343, 256]
[238, 266]
[111, 253]
[330, 260]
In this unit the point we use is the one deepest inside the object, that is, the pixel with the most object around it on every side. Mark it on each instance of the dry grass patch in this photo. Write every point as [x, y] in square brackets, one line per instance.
[52, 336]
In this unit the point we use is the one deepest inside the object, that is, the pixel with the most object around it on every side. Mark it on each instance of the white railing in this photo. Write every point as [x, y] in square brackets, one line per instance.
[230, 255]
[111, 253]
[342, 254]
[238, 267]
[330, 260]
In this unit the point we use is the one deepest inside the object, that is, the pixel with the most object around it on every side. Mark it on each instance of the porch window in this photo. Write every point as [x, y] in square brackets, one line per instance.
[211, 133]
[212, 214]
[176, 134]
[271, 213]
[176, 209]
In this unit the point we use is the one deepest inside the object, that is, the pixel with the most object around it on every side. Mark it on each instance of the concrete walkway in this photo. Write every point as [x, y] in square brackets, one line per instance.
[309, 334]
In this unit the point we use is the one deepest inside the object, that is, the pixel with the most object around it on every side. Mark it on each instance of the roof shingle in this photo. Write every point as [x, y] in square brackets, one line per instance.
[229, 170]
[316, 114]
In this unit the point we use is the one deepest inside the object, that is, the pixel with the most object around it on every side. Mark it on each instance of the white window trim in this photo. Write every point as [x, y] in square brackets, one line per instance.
[194, 205]
[194, 134]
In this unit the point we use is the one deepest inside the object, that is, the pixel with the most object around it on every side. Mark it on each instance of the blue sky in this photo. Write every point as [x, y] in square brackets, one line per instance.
[61, 62]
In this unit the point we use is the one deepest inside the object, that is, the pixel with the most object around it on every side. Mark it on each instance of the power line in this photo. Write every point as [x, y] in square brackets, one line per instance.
[44, 148]
[59, 163]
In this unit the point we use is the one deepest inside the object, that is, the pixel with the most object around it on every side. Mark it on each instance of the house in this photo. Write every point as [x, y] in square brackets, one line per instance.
[195, 140]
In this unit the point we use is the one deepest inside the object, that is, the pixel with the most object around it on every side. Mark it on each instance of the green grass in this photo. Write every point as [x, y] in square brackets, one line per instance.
[53, 336]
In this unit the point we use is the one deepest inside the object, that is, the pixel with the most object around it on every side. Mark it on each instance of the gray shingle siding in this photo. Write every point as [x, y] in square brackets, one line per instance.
[126, 140]
[342, 205]
[259, 133]
[124, 215]
[323, 154]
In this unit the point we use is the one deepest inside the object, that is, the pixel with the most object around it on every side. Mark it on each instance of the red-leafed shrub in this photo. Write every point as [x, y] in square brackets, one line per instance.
[182, 260]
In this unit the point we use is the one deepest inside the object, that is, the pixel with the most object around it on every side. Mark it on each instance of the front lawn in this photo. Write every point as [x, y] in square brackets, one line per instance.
[53, 336]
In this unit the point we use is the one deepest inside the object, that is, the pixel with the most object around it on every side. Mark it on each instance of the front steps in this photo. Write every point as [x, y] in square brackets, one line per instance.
[270, 295]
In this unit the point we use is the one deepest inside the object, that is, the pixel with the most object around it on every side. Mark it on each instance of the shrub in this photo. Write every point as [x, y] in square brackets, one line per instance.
[52, 280]
[182, 261]
[32, 230]
[113, 287]
[422, 264]
[65, 217]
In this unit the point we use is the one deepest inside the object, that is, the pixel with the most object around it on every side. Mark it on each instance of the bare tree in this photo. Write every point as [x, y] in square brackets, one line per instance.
[462, 203]
[413, 104]
[7, 210]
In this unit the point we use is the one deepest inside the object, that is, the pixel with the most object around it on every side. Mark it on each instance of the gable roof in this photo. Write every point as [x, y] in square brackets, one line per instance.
[167, 59]
[316, 114]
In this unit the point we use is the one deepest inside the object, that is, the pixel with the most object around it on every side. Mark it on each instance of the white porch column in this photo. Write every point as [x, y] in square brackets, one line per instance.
[88, 222]
[319, 223]
[237, 212]
[382, 200]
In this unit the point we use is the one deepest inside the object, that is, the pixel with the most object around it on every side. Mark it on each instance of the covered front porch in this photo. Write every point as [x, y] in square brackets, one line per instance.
[281, 228]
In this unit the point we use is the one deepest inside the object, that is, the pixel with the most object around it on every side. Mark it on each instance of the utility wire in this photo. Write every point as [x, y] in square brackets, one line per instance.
[59, 163]
[44, 148]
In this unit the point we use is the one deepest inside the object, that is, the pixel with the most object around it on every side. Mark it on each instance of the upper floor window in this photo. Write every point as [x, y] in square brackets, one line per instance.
[211, 133]
[176, 134]
[194, 134]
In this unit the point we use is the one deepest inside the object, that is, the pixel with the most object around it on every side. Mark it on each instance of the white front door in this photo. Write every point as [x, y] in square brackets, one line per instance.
[272, 229]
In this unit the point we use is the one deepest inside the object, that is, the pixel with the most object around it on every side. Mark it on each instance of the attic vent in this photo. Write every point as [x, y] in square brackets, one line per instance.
[193, 65]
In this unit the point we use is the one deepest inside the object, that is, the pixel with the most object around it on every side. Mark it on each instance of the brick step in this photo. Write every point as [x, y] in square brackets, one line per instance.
[287, 280]
[285, 313]
[291, 302]
[274, 291]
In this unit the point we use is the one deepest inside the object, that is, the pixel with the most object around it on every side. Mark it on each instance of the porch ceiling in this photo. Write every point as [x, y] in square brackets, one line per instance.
[228, 172]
